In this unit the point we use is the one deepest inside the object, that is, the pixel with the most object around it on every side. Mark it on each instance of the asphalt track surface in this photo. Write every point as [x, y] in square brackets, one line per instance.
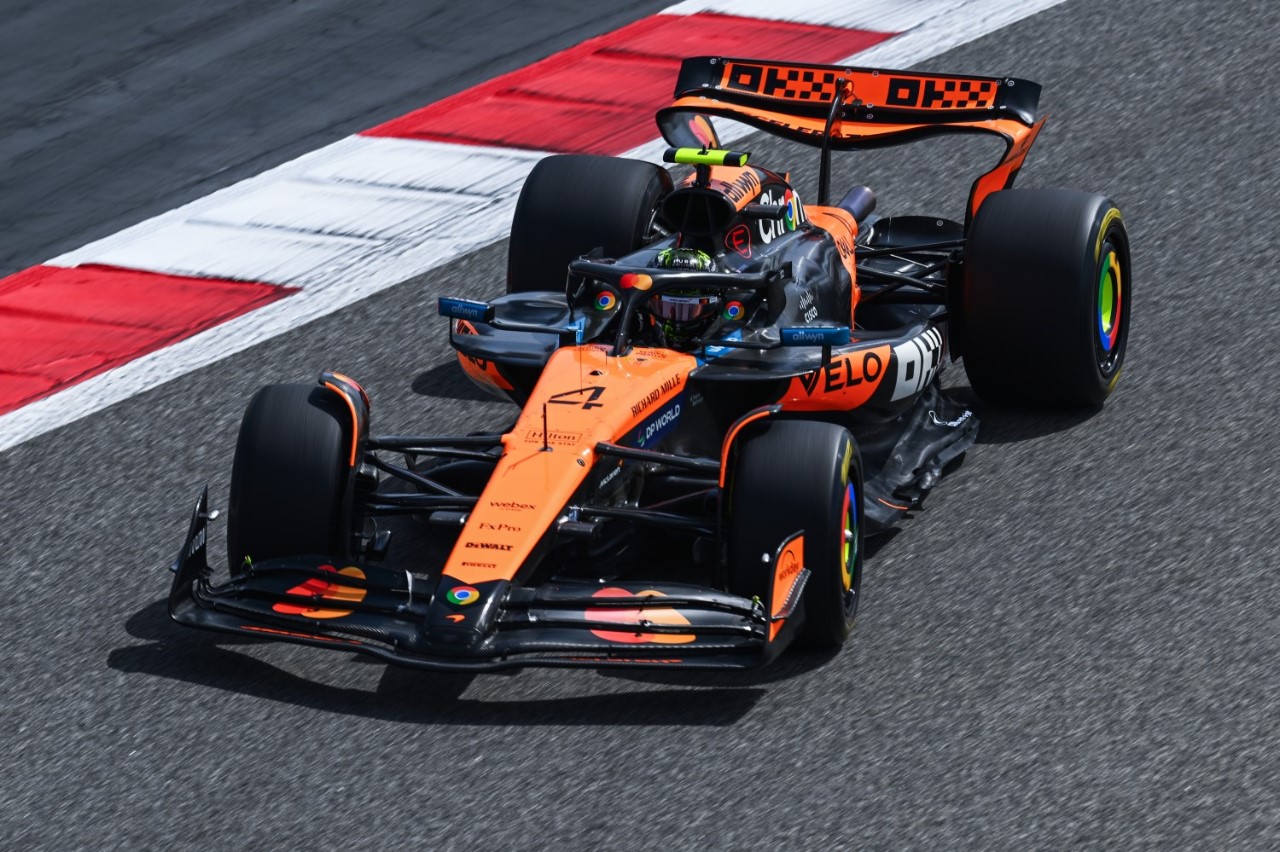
[1074, 644]
[115, 112]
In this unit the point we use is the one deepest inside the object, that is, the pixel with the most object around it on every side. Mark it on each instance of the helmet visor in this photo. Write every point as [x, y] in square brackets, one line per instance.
[684, 308]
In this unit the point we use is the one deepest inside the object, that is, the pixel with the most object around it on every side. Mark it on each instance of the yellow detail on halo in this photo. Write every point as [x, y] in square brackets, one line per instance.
[705, 157]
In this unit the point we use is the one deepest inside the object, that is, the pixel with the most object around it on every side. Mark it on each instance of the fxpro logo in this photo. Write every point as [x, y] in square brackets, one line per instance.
[499, 527]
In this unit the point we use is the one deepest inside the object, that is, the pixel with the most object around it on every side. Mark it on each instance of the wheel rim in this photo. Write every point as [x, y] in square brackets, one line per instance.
[1110, 310]
[848, 538]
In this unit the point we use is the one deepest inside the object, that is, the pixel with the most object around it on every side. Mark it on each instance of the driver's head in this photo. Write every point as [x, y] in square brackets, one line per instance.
[684, 314]
[686, 259]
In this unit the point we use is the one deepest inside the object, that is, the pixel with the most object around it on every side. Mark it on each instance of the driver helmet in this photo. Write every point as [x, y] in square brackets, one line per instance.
[683, 314]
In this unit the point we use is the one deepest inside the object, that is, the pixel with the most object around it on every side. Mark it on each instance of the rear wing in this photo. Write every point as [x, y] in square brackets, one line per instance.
[879, 107]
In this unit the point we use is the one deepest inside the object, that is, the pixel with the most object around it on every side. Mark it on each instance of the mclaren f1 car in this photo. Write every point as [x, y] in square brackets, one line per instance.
[722, 392]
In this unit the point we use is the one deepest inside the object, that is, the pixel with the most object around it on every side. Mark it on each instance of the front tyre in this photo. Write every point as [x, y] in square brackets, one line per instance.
[1047, 297]
[290, 477]
[795, 475]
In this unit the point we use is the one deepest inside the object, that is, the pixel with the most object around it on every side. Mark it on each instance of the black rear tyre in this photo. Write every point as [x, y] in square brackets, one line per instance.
[290, 476]
[571, 204]
[792, 475]
[1046, 298]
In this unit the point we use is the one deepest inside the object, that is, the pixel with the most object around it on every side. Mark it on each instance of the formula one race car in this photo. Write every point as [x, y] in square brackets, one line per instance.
[722, 392]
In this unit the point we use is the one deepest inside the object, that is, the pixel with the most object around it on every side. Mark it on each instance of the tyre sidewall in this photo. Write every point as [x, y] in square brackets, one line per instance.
[291, 477]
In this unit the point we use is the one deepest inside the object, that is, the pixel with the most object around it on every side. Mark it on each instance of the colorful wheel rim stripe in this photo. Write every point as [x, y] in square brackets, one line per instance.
[848, 546]
[733, 311]
[605, 300]
[1110, 296]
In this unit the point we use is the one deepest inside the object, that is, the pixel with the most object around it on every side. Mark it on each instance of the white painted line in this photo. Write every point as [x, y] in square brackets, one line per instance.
[954, 23]
[946, 20]
[361, 209]
[879, 15]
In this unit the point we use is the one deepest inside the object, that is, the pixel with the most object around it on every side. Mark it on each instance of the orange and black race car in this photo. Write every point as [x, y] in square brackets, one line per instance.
[722, 391]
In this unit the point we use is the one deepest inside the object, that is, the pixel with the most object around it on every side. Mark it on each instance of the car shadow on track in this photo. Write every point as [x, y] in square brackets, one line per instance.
[1004, 425]
[792, 663]
[447, 380]
[406, 695]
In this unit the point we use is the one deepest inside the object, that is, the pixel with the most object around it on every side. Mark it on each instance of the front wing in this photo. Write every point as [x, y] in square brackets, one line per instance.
[400, 617]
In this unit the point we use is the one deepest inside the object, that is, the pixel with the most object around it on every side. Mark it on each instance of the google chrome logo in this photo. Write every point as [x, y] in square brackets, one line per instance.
[462, 595]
